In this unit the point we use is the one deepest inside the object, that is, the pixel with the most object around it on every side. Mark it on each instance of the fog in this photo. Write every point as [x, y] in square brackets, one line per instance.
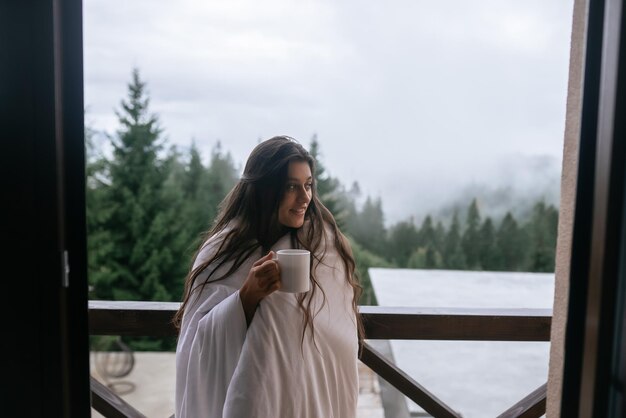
[425, 104]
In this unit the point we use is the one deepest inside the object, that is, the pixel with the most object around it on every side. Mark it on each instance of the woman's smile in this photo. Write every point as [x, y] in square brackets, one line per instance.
[299, 211]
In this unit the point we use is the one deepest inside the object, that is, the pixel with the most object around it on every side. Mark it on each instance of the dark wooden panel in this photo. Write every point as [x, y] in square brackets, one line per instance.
[405, 384]
[532, 406]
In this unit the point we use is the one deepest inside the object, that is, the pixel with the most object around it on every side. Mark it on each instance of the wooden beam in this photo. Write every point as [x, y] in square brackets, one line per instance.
[532, 406]
[132, 318]
[456, 324]
[405, 384]
[109, 404]
[154, 319]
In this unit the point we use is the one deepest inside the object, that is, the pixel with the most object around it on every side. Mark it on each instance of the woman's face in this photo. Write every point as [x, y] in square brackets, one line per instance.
[297, 195]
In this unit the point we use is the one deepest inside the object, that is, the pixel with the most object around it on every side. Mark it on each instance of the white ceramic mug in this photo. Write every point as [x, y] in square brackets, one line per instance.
[294, 270]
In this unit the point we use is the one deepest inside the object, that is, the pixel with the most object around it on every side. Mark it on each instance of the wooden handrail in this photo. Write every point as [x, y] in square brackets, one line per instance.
[385, 323]
[154, 319]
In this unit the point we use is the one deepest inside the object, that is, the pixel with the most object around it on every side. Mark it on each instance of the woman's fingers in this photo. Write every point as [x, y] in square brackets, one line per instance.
[267, 275]
[268, 268]
[262, 260]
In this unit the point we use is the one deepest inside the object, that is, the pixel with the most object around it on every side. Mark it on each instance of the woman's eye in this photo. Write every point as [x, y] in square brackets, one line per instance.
[296, 187]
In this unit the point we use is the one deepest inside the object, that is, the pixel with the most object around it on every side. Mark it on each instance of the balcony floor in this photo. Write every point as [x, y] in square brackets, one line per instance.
[152, 383]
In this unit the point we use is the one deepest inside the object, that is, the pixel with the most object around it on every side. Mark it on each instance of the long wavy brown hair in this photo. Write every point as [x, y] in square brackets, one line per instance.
[248, 216]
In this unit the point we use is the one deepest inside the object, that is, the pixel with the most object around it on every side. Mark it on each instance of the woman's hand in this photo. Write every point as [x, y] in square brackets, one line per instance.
[263, 279]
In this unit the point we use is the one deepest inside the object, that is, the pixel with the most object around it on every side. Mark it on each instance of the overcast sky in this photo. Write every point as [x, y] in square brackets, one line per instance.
[418, 101]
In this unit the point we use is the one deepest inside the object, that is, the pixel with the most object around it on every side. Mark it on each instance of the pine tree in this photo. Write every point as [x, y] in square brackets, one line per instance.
[470, 241]
[204, 189]
[432, 258]
[439, 238]
[139, 215]
[489, 254]
[403, 241]
[222, 176]
[542, 230]
[328, 188]
[136, 218]
[99, 245]
[177, 216]
[510, 242]
[187, 184]
[369, 229]
[348, 200]
[427, 233]
[199, 205]
[428, 255]
[194, 174]
[453, 257]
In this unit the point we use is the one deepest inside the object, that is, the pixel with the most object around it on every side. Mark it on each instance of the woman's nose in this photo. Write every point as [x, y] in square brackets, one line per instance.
[303, 196]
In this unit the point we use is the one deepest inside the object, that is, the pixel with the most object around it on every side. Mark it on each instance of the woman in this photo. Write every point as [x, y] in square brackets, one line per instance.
[246, 350]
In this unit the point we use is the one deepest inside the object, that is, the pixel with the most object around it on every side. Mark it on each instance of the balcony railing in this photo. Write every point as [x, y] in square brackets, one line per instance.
[384, 323]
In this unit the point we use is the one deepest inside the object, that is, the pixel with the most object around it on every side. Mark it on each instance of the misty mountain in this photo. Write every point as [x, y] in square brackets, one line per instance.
[513, 184]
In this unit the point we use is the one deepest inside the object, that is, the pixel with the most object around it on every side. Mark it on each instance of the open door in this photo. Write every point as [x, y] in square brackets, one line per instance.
[46, 364]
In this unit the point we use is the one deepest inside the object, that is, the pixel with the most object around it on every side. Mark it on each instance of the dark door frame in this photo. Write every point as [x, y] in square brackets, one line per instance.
[597, 246]
[42, 170]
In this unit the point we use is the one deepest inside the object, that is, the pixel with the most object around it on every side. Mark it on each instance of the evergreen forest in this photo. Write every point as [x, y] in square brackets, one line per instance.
[149, 203]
